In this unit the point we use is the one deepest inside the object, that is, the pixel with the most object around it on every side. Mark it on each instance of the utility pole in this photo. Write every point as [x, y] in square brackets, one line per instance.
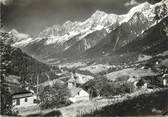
[37, 84]
[49, 81]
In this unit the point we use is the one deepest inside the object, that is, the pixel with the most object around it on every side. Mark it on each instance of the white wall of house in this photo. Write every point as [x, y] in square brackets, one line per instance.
[23, 103]
[81, 96]
[165, 82]
[70, 85]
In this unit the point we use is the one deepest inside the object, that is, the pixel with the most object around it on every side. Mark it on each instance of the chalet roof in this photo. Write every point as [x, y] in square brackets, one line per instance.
[22, 94]
[75, 90]
[165, 75]
[71, 80]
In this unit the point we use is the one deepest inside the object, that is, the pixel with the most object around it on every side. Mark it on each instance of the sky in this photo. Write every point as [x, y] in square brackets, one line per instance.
[32, 16]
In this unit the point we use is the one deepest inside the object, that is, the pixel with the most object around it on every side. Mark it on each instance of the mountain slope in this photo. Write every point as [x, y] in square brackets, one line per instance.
[18, 72]
[15, 62]
[152, 41]
[131, 40]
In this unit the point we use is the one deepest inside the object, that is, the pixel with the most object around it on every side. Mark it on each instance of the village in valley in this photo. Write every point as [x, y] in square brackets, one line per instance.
[139, 77]
[85, 87]
[105, 65]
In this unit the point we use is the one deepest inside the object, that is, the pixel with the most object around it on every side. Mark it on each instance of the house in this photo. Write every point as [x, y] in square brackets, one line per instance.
[71, 83]
[78, 94]
[23, 99]
[74, 81]
[165, 80]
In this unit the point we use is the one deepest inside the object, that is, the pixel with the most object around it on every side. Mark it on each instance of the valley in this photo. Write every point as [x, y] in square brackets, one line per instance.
[106, 65]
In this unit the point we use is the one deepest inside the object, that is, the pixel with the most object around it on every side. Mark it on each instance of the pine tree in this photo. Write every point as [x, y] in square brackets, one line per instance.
[6, 101]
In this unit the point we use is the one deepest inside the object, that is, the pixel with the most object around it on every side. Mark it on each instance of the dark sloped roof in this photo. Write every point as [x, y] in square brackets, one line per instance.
[71, 80]
[74, 91]
[22, 94]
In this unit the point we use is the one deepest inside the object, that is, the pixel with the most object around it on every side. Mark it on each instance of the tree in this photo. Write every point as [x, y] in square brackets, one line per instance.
[160, 12]
[101, 86]
[54, 96]
[6, 100]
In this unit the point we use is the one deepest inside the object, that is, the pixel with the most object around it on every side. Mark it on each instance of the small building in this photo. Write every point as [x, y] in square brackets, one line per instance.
[165, 80]
[78, 94]
[23, 99]
[71, 83]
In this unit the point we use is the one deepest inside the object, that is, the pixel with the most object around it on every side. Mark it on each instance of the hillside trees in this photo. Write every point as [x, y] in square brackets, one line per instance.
[101, 86]
[14, 62]
[5, 104]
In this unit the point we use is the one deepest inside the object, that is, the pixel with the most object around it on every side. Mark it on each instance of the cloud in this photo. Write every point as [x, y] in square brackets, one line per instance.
[131, 3]
[6, 2]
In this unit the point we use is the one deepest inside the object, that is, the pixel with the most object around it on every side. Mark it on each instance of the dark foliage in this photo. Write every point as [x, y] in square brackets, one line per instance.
[139, 106]
[54, 96]
[101, 86]
[54, 113]
[153, 1]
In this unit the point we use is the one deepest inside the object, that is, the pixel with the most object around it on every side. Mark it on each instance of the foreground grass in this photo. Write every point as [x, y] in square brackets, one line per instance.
[105, 107]
[143, 105]
[102, 107]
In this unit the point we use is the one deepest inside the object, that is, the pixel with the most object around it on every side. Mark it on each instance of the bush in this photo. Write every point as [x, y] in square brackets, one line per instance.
[55, 96]
[101, 86]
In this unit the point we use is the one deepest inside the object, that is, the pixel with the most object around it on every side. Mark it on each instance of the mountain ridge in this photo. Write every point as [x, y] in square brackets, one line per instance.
[72, 39]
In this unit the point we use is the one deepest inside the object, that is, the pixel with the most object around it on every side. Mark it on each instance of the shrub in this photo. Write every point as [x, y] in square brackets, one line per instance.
[55, 96]
[101, 86]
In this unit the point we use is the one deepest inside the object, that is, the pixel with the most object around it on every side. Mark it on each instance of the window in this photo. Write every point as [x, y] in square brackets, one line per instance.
[17, 102]
[25, 99]
[34, 101]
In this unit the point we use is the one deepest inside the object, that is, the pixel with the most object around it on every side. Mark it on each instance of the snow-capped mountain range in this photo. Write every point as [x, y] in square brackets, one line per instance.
[73, 39]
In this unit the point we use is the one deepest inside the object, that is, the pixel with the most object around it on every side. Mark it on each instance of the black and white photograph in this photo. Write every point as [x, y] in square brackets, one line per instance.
[83, 58]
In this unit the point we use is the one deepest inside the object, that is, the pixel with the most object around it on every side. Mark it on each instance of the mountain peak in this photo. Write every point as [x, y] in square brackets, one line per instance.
[98, 13]
[99, 19]
[17, 35]
[14, 31]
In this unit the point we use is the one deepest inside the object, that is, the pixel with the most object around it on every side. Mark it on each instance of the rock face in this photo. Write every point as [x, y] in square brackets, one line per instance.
[151, 42]
[101, 33]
